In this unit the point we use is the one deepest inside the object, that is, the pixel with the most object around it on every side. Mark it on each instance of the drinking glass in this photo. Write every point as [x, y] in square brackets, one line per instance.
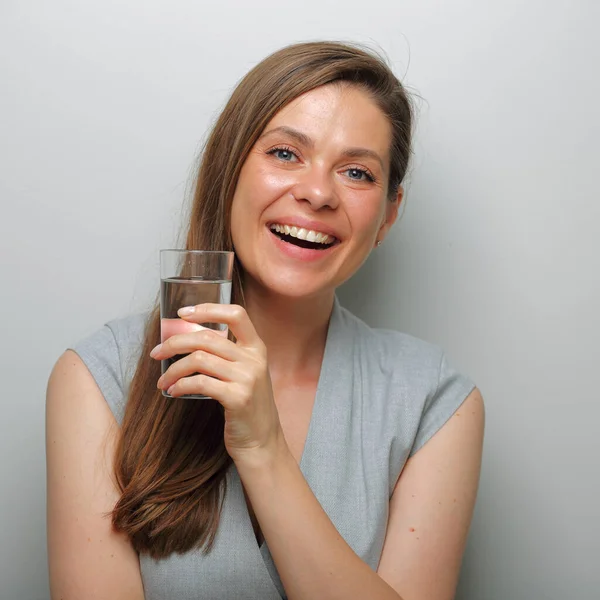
[187, 278]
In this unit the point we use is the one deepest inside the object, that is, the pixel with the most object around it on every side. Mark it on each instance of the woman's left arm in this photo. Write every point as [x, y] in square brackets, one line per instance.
[429, 518]
[432, 506]
[430, 510]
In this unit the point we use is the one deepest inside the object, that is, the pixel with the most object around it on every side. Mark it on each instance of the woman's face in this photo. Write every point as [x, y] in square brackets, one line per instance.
[311, 200]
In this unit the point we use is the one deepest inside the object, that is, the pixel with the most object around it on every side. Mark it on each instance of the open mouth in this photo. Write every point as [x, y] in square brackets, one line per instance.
[303, 238]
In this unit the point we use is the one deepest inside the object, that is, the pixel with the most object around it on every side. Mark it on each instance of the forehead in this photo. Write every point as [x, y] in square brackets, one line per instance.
[342, 115]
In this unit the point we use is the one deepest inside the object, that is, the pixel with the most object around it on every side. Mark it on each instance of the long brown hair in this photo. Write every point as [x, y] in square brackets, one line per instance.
[171, 461]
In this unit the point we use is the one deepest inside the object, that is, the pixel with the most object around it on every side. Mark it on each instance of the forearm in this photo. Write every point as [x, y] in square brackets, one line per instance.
[312, 558]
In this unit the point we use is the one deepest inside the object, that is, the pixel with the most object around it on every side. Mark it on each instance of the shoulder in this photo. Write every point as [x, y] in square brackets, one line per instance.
[118, 339]
[395, 352]
[128, 331]
[111, 354]
[411, 383]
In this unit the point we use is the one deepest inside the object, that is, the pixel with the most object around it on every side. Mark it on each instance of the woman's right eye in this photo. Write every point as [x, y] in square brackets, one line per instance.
[284, 154]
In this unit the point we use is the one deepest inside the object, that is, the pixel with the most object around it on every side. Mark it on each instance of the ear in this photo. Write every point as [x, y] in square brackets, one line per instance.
[391, 214]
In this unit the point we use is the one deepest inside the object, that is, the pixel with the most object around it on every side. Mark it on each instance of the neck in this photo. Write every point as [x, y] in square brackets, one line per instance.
[293, 330]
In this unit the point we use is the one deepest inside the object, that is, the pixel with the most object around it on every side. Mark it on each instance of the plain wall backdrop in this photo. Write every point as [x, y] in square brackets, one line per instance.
[103, 106]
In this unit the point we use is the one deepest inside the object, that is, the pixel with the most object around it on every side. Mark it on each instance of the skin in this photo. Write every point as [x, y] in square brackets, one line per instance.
[266, 382]
[320, 183]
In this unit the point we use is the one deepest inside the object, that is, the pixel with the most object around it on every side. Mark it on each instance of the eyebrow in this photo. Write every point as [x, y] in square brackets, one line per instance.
[300, 137]
[305, 140]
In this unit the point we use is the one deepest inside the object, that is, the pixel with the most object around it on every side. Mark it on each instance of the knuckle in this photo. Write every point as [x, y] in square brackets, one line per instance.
[237, 312]
[198, 357]
[206, 335]
[199, 379]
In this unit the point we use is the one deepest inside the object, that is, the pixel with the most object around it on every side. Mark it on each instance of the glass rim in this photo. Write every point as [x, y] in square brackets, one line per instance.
[180, 251]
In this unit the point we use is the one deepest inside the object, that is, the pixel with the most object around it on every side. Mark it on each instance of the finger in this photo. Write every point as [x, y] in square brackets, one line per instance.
[169, 327]
[198, 362]
[207, 340]
[200, 385]
[232, 315]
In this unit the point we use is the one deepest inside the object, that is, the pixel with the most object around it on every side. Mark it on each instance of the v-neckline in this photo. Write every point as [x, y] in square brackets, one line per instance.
[331, 330]
[321, 385]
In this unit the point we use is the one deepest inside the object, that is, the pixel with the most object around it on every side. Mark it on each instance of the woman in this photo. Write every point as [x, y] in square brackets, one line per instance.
[333, 461]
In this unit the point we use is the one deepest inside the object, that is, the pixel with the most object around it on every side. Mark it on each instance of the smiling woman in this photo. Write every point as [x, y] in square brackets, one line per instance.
[326, 462]
[321, 167]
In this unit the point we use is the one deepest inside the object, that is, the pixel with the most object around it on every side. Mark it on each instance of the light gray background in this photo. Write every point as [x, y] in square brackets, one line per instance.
[497, 257]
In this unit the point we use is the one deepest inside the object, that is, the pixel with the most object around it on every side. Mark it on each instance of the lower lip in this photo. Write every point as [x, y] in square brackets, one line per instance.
[304, 254]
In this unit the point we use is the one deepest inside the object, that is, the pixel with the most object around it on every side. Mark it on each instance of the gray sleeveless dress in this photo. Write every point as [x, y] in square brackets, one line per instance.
[381, 396]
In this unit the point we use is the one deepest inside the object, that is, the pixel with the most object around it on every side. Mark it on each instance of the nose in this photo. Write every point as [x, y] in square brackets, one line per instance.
[316, 187]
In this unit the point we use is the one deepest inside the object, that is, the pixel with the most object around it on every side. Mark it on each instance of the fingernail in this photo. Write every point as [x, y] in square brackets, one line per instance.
[170, 390]
[155, 350]
[186, 310]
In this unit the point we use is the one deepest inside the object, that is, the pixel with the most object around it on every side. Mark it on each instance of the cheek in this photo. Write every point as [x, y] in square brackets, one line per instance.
[259, 186]
[270, 185]
[236, 222]
[240, 219]
[255, 191]
[242, 205]
[367, 214]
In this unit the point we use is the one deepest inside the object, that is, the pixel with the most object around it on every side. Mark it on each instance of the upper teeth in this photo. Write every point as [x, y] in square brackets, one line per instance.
[303, 234]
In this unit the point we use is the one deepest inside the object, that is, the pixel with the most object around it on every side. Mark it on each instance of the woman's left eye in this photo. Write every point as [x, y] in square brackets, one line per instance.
[359, 174]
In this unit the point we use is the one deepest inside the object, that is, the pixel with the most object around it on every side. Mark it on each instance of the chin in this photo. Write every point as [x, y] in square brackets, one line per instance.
[295, 288]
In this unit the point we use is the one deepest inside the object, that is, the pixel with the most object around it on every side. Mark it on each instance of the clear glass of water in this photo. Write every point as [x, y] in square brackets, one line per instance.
[187, 278]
